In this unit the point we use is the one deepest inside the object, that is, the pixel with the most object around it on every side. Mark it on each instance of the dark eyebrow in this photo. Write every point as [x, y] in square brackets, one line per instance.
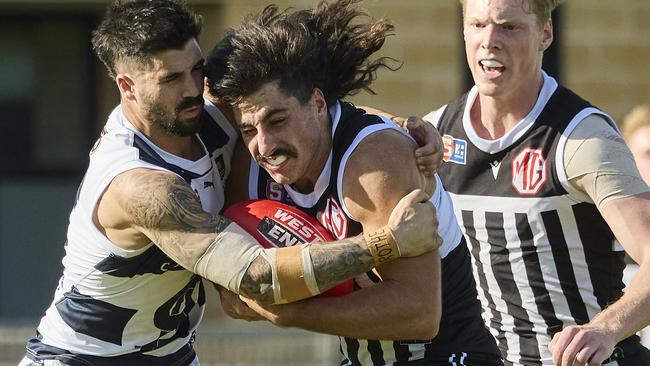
[273, 112]
[269, 114]
[172, 75]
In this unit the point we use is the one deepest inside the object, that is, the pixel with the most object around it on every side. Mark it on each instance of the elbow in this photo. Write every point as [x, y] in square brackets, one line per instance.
[428, 326]
[434, 327]
[425, 321]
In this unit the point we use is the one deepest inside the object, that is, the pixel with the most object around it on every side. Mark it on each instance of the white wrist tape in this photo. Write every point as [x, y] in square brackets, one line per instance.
[226, 260]
[308, 270]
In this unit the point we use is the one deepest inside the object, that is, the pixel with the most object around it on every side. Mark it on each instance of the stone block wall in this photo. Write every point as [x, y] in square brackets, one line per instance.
[604, 54]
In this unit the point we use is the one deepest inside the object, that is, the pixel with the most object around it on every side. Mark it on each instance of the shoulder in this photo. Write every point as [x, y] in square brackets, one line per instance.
[383, 146]
[135, 199]
[596, 125]
[144, 197]
[433, 117]
[139, 182]
[379, 172]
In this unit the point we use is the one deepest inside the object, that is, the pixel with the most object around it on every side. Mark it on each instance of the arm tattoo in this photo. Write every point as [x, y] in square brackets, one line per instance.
[333, 263]
[257, 282]
[165, 206]
[339, 261]
[167, 209]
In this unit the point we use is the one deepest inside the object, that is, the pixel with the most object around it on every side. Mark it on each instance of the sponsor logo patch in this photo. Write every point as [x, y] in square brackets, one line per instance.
[285, 229]
[455, 150]
[529, 171]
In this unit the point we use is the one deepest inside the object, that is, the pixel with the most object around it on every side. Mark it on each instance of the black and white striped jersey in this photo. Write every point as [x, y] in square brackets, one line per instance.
[462, 331]
[128, 307]
[543, 257]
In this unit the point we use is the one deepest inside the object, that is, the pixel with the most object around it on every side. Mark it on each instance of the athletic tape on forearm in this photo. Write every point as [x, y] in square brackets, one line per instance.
[308, 270]
[295, 274]
[228, 257]
[382, 245]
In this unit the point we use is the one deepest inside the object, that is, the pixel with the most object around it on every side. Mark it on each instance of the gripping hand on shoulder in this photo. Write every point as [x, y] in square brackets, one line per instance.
[430, 151]
[414, 224]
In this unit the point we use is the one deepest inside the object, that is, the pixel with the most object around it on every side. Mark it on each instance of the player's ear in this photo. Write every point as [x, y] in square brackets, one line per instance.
[125, 85]
[318, 98]
[547, 35]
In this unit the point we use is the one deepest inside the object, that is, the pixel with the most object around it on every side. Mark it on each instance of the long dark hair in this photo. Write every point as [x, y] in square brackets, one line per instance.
[302, 50]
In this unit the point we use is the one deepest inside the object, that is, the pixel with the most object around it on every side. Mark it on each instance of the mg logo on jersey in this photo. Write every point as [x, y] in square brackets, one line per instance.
[529, 171]
[334, 219]
[455, 150]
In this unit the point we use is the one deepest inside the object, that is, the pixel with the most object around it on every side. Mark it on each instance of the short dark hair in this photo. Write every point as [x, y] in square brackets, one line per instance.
[134, 30]
[302, 50]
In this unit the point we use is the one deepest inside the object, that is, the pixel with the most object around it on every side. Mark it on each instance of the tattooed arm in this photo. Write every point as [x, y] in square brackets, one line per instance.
[333, 264]
[142, 206]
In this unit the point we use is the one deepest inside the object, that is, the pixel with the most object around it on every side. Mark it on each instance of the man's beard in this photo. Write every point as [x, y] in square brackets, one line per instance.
[171, 124]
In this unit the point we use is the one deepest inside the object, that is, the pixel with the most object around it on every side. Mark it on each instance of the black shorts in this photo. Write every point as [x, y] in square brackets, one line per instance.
[460, 359]
[640, 358]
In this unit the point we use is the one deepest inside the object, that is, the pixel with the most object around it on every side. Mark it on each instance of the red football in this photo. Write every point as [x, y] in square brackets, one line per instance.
[276, 224]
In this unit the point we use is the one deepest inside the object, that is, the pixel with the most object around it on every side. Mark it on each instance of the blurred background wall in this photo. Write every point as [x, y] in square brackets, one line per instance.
[55, 96]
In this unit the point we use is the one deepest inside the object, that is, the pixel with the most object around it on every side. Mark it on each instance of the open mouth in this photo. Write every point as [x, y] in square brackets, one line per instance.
[492, 66]
[192, 110]
[276, 160]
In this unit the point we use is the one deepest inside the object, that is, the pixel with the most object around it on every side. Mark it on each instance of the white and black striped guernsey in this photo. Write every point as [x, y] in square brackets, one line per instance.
[463, 336]
[544, 258]
[124, 308]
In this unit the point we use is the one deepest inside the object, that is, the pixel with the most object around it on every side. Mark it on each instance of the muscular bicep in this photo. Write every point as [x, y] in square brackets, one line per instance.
[629, 219]
[379, 172]
[374, 182]
[163, 207]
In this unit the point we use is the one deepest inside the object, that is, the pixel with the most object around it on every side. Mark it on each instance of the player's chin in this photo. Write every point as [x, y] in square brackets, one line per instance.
[192, 122]
[282, 173]
[282, 178]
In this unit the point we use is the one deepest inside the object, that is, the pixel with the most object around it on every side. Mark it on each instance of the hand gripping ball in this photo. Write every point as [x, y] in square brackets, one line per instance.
[275, 224]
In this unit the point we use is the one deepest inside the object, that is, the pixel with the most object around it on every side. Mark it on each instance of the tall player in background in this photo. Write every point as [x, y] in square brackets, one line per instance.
[287, 74]
[145, 226]
[542, 183]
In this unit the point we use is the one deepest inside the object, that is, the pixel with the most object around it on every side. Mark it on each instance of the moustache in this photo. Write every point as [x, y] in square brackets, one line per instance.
[189, 103]
[259, 158]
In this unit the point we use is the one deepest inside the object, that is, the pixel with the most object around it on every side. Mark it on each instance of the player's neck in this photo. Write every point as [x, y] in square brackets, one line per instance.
[315, 169]
[493, 117]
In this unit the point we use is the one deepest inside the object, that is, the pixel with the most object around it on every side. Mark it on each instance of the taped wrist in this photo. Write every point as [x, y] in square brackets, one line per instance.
[228, 257]
[294, 277]
[382, 245]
